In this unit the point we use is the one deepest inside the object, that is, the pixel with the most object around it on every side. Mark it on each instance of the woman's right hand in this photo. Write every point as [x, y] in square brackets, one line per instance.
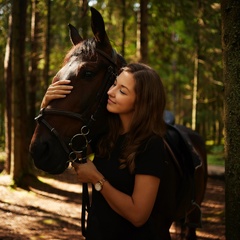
[56, 90]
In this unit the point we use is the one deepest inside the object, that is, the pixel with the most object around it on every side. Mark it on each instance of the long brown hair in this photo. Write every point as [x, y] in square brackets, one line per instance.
[147, 117]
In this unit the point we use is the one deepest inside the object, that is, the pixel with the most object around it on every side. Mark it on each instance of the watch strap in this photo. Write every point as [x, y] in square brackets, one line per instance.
[102, 181]
[99, 184]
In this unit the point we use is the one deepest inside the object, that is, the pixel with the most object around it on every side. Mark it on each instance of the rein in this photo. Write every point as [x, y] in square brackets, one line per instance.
[86, 128]
[80, 155]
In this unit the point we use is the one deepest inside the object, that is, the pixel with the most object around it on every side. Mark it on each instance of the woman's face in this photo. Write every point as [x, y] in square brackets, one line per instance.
[121, 95]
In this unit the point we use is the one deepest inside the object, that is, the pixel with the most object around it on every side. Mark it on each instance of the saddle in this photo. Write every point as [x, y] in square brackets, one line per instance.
[186, 160]
[179, 146]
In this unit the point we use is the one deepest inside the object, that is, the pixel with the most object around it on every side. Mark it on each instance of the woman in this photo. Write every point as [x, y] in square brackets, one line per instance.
[129, 159]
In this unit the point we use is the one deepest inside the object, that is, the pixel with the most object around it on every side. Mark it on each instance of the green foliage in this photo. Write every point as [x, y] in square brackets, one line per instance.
[175, 30]
[216, 159]
[215, 154]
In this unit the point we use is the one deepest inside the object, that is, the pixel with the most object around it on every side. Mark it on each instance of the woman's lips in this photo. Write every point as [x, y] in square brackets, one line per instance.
[110, 101]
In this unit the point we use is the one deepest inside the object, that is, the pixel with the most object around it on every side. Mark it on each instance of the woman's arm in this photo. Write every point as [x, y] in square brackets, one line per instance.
[56, 90]
[136, 208]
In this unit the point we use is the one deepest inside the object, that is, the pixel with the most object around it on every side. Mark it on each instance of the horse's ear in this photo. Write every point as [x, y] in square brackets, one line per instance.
[74, 35]
[98, 27]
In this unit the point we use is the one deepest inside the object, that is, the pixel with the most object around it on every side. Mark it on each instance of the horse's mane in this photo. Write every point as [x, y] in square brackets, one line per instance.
[85, 48]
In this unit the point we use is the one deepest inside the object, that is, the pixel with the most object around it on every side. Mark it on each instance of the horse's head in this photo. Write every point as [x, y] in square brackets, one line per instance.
[66, 126]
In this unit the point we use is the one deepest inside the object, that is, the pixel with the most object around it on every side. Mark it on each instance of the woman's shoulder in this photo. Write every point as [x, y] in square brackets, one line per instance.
[151, 157]
[153, 144]
[154, 140]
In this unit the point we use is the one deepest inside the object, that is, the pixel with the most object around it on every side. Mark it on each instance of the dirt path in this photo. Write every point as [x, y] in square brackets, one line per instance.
[213, 216]
[52, 210]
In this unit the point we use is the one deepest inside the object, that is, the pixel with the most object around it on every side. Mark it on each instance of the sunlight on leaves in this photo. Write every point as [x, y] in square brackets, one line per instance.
[51, 222]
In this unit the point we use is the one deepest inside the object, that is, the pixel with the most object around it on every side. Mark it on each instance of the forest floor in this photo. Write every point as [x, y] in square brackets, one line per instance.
[51, 209]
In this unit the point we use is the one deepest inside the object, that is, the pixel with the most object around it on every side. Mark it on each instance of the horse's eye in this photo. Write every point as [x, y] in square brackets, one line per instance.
[88, 74]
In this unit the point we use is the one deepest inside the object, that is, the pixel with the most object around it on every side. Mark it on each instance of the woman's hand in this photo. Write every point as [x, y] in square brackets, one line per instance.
[59, 89]
[87, 172]
[137, 207]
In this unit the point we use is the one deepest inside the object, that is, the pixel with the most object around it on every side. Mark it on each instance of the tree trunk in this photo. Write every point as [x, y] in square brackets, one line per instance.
[124, 17]
[196, 66]
[19, 151]
[33, 70]
[46, 46]
[84, 17]
[231, 69]
[8, 91]
[138, 35]
[144, 31]
[195, 90]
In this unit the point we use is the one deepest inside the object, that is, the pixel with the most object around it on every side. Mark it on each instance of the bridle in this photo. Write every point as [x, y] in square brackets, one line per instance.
[79, 155]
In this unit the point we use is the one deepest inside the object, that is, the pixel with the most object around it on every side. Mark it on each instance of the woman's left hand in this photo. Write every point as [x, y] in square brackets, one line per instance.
[57, 90]
[87, 172]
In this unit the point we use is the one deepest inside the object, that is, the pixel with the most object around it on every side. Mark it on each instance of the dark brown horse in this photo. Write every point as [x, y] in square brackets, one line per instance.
[66, 127]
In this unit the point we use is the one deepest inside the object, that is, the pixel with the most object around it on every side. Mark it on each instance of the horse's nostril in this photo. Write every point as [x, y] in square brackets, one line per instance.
[48, 156]
[39, 150]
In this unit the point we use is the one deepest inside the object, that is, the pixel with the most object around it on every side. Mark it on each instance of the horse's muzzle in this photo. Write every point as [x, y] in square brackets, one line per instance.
[48, 156]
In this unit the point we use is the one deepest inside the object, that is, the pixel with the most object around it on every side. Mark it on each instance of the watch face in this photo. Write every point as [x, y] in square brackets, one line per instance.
[98, 186]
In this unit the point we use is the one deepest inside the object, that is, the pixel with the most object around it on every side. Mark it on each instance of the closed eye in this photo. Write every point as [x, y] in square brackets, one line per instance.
[121, 88]
[122, 92]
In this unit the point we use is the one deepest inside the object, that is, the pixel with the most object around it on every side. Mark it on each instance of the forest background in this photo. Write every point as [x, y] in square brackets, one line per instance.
[180, 39]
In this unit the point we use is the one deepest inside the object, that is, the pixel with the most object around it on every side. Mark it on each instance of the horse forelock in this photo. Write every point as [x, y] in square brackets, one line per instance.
[85, 49]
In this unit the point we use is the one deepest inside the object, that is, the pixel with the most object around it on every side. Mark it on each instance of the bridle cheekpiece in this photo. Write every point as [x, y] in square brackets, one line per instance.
[80, 154]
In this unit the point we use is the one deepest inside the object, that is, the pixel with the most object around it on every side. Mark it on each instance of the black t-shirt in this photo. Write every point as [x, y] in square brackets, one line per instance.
[103, 222]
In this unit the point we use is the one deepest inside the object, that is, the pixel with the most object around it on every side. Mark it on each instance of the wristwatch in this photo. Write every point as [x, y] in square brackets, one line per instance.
[99, 185]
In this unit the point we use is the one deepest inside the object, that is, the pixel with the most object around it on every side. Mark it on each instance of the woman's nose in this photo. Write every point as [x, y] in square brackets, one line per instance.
[111, 91]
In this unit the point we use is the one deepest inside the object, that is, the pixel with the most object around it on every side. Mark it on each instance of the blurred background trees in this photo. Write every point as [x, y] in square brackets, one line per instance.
[180, 39]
